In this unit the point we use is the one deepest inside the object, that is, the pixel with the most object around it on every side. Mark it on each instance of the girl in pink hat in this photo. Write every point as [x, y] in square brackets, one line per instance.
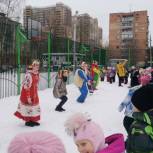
[89, 137]
[28, 108]
[36, 142]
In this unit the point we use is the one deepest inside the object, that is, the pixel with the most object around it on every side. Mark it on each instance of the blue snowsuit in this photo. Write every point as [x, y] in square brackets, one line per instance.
[84, 88]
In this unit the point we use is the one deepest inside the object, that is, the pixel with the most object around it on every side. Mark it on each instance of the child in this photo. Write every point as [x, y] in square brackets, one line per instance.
[28, 108]
[112, 74]
[89, 137]
[96, 76]
[36, 142]
[102, 74]
[81, 80]
[60, 90]
[140, 136]
[127, 104]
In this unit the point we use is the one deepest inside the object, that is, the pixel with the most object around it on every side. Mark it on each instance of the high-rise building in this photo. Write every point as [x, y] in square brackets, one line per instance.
[128, 36]
[94, 30]
[88, 31]
[56, 19]
[63, 21]
[100, 39]
[84, 23]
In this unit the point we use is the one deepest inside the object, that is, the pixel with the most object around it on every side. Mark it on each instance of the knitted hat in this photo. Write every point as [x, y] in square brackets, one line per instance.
[36, 142]
[83, 128]
[145, 79]
[142, 98]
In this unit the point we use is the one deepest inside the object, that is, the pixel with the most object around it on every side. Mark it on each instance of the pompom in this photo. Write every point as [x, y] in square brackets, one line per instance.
[75, 122]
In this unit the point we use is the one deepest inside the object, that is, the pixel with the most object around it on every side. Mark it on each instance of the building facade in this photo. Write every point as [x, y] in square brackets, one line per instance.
[128, 36]
[55, 19]
[59, 21]
[88, 31]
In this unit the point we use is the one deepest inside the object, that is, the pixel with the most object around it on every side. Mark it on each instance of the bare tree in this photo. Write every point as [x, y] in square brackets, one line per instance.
[50, 21]
[12, 10]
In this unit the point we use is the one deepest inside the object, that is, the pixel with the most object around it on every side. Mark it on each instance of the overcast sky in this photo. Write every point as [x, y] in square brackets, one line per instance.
[101, 9]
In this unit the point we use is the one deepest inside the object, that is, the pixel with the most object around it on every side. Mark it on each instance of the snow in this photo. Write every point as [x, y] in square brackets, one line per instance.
[102, 106]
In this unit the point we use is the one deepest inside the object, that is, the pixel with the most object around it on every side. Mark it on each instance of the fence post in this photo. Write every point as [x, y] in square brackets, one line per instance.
[49, 58]
[18, 59]
[68, 45]
[99, 53]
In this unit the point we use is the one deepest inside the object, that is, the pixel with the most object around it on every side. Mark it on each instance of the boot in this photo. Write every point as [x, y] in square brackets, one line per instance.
[59, 106]
[36, 123]
[29, 123]
[59, 109]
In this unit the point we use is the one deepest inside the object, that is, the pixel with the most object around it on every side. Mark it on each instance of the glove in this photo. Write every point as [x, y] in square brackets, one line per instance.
[121, 107]
[29, 101]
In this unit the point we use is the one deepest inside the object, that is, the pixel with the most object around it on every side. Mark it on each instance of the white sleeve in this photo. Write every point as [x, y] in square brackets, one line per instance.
[27, 82]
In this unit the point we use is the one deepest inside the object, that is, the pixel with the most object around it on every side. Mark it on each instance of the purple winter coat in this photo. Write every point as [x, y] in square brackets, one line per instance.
[115, 144]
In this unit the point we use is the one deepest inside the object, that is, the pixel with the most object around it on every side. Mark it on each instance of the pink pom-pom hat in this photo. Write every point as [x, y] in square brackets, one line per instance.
[82, 128]
[36, 142]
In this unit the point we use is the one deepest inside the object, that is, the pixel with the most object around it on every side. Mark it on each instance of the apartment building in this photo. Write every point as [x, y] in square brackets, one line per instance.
[128, 36]
[56, 19]
[88, 31]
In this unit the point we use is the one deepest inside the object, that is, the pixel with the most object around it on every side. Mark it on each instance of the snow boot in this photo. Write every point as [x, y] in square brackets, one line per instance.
[36, 123]
[29, 123]
[59, 109]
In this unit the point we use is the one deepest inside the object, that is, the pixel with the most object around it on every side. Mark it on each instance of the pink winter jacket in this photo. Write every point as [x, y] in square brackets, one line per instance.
[115, 144]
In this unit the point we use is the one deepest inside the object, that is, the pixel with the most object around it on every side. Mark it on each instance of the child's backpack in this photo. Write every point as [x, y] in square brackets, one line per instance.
[140, 137]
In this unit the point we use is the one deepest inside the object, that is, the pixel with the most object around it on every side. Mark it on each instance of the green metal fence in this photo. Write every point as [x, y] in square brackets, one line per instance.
[16, 53]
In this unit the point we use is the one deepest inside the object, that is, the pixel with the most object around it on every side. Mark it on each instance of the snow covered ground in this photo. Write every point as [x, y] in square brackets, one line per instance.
[102, 107]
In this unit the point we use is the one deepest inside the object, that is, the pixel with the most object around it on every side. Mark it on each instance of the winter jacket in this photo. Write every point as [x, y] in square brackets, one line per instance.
[59, 88]
[120, 69]
[127, 104]
[135, 78]
[115, 144]
[80, 78]
[140, 136]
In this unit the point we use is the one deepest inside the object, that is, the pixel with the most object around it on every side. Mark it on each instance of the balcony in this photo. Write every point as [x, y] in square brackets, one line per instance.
[127, 36]
[126, 25]
[127, 18]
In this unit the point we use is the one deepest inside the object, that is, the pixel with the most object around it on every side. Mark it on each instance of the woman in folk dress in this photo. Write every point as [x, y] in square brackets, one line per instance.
[28, 108]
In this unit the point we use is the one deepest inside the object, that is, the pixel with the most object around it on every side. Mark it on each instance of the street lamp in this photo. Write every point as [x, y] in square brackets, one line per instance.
[74, 41]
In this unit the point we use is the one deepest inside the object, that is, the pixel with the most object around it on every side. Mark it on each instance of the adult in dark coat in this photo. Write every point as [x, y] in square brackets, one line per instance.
[134, 77]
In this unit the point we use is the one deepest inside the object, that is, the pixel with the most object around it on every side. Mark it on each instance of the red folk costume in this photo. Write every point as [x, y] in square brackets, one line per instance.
[28, 108]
